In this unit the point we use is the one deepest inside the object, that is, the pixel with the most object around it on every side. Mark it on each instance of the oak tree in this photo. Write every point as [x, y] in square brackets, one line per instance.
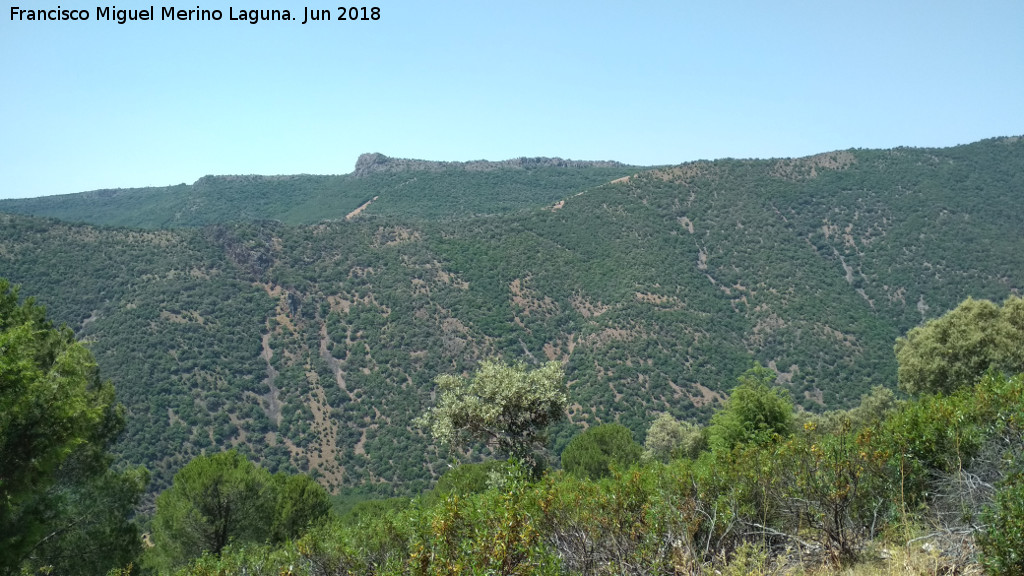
[505, 406]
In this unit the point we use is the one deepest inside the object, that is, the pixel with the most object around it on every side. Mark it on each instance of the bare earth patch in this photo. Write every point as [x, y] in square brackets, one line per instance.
[528, 300]
[393, 235]
[356, 212]
[586, 307]
[807, 168]
[666, 302]
[686, 223]
[704, 396]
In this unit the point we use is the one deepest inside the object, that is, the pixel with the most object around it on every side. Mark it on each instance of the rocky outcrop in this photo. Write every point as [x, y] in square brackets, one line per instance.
[375, 162]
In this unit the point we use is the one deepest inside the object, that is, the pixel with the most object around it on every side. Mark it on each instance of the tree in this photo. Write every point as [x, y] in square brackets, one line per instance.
[89, 528]
[593, 453]
[957, 348]
[756, 412]
[301, 502]
[668, 438]
[213, 500]
[57, 420]
[224, 498]
[507, 407]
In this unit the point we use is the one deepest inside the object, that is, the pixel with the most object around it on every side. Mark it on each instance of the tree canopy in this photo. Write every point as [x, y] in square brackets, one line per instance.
[506, 406]
[593, 452]
[669, 438]
[224, 498]
[756, 412]
[957, 348]
[57, 419]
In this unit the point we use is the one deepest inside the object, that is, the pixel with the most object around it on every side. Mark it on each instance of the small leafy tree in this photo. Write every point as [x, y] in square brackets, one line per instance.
[668, 438]
[507, 407]
[593, 452]
[214, 500]
[756, 412]
[957, 348]
[465, 479]
[301, 502]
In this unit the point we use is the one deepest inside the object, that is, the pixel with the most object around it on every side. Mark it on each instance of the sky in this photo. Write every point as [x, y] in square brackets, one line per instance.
[94, 104]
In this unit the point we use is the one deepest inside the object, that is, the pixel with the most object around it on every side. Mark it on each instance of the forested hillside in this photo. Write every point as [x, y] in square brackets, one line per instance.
[314, 346]
[379, 185]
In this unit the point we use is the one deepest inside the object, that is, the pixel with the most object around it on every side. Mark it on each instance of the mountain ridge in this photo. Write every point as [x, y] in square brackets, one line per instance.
[406, 188]
[376, 162]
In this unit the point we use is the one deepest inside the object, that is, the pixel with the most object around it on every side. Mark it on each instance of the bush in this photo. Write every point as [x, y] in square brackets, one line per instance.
[1002, 543]
[668, 438]
[593, 453]
[756, 412]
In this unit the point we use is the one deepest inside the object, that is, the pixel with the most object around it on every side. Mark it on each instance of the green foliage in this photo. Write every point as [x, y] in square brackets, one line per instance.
[957, 348]
[668, 438]
[756, 412]
[596, 451]
[508, 407]
[90, 515]
[214, 500]
[466, 479]
[1002, 543]
[1000, 405]
[222, 499]
[57, 419]
[301, 502]
[312, 348]
[828, 492]
[838, 485]
[874, 409]
[494, 532]
[368, 509]
[613, 526]
[251, 560]
[437, 192]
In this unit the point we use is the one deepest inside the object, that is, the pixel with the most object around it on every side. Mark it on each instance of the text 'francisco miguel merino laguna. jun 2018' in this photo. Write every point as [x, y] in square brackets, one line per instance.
[197, 14]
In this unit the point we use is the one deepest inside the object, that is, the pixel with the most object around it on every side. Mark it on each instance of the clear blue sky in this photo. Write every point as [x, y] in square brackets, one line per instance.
[96, 105]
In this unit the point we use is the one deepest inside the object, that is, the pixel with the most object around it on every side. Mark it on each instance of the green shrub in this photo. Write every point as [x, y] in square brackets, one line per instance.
[593, 453]
[1002, 543]
[756, 412]
[669, 438]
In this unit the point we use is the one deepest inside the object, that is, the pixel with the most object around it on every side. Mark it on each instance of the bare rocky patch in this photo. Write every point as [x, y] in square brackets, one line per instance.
[359, 210]
[527, 299]
[809, 167]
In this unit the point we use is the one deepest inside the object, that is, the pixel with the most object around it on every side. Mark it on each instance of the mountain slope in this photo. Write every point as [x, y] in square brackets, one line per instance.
[314, 346]
[386, 186]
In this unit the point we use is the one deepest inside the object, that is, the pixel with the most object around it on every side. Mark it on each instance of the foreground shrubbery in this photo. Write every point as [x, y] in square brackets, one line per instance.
[839, 488]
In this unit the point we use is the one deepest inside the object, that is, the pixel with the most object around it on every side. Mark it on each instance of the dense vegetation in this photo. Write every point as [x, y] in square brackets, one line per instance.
[929, 485]
[773, 488]
[61, 504]
[313, 348]
[390, 187]
[224, 499]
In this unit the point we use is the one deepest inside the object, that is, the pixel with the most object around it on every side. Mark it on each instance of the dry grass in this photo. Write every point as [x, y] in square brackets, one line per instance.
[916, 559]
